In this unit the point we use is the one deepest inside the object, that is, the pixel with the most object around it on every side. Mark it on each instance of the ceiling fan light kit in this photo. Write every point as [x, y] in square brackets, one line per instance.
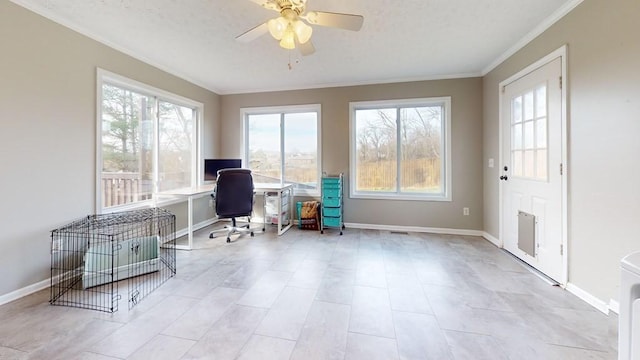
[287, 31]
[290, 27]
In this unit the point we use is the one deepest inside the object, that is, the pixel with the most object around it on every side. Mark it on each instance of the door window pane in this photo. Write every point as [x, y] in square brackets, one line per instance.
[541, 164]
[541, 133]
[528, 135]
[516, 163]
[541, 101]
[528, 106]
[529, 164]
[517, 137]
[517, 109]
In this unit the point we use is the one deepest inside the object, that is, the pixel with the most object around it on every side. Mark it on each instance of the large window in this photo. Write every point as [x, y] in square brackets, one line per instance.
[282, 145]
[400, 149]
[147, 142]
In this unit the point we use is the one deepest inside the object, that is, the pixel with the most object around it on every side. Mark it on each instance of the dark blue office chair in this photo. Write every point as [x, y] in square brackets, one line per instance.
[234, 198]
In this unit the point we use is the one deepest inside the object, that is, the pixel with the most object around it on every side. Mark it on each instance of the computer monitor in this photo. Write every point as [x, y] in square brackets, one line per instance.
[211, 167]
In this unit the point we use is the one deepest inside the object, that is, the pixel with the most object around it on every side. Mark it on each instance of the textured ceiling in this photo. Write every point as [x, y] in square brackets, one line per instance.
[400, 40]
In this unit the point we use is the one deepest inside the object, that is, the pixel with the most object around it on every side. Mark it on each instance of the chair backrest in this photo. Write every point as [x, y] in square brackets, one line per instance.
[234, 193]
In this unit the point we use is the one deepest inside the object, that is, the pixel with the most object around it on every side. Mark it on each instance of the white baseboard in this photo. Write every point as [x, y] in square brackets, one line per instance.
[445, 231]
[492, 239]
[27, 290]
[198, 226]
[600, 305]
[588, 298]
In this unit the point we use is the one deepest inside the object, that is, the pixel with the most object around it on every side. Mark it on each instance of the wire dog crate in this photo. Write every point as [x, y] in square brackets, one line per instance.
[95, 259]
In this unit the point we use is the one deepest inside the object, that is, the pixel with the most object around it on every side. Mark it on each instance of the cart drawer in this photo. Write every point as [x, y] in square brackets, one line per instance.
[331, 193]
[331, 183]
[331, 202]
[329, 211]
[331, 221]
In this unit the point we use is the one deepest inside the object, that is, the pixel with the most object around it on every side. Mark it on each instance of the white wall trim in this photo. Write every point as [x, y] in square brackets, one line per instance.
[542, 27]
[614, 306]
[42, 10]
[27, 290]
[30, 289]
[588, 298]
[446, 231]
[198, 226]
[495, 241]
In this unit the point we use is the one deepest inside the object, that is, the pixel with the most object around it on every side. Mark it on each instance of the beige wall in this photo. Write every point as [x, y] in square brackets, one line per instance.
[603, 146]
[47, 115]
[466, 98]
[47, 134]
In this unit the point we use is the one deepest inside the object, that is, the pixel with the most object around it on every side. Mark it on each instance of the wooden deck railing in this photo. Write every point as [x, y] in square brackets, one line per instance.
[124, 188]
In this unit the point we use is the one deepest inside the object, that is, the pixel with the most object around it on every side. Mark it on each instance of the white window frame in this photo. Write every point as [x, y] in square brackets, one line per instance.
[107, 77]
[283, 110]
[445, 195]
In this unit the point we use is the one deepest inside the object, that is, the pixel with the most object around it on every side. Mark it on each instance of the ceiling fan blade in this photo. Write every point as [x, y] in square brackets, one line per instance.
[306, 48]
[254, 33]
[336, 20]
[267, 4]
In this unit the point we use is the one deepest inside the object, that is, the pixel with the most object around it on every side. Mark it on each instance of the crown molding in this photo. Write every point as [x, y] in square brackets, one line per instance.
[542, 27]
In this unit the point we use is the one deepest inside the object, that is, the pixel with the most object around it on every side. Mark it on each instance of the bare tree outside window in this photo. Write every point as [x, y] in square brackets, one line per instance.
[131, 124]
[398, 149]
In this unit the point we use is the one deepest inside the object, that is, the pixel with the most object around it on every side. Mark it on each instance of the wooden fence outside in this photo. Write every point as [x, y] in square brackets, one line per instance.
[416, 174]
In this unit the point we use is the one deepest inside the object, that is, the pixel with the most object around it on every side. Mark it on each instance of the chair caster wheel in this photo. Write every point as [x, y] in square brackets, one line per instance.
[210, 236]
[321, 231]
[228, 240]
[341, 233]
[252, 233]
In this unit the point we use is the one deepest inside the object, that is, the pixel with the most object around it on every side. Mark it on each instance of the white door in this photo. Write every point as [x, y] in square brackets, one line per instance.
[531, 169]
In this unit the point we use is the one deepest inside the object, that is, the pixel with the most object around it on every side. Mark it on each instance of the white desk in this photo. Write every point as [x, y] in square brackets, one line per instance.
[190, 194]
[279, 189]
[205, 190]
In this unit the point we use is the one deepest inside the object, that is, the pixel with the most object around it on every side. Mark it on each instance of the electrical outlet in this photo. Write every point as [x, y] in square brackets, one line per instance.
[491, 162]
[211, 203]
[465, 211]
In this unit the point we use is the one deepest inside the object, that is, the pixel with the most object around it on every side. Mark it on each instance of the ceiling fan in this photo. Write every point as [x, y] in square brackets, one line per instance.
[291, 27]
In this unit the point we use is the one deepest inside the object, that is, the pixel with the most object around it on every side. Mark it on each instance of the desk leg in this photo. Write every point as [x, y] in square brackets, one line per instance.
[190, 220]
[279, 208]
[264, 212]
[189, 245]
[282, 230]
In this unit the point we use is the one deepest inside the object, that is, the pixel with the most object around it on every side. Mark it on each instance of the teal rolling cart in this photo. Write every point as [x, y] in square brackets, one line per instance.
[332, 203]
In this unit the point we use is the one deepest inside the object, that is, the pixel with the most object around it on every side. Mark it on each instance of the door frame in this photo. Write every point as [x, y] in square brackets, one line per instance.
[562, 54]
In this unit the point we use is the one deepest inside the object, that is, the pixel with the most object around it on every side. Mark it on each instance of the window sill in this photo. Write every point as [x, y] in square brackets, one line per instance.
[402, 197]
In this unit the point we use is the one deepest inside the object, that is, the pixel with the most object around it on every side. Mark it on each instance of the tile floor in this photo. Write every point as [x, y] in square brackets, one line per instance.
[364, 295]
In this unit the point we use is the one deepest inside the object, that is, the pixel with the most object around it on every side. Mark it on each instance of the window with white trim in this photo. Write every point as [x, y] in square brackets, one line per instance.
[282, 145]
[400, 149]
[147, 142]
